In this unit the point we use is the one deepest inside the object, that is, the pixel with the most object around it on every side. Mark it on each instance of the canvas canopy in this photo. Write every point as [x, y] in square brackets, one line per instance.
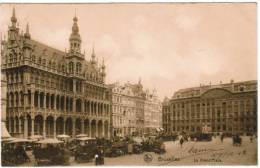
[63, 136]
[4, 133]
[50, 141]
[81, 135]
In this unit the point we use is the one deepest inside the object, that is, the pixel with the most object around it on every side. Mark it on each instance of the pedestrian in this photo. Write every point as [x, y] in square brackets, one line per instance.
[96, 159]
[251, 138]
[181, 141]
[222, 137]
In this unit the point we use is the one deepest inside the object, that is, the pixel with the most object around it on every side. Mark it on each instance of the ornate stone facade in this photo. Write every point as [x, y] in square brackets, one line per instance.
[134, 110]
[51, 92]
[230, 107]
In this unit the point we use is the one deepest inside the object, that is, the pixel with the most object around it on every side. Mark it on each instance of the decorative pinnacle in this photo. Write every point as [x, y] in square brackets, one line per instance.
[13, 18]
[27, 33]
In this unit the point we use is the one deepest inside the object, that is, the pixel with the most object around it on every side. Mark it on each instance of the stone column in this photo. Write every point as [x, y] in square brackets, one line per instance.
[20, 127]
[97, 109]
[108, 130]
[89, 129]
[15, 105]
[39, 101]
[103, 129]
[25, 99]
[65, 103]
[96, 128]
[54, 102]
[32, 99]
[73, 128]
[44, 100]
[32, 125]
[44, 127]
[64, 126]
[25, 127]
[9, 125]
[82, 106]
[82, 126]
[74, 105]
[90, 113]
[54, 128]
[19, 99]
[15, 125]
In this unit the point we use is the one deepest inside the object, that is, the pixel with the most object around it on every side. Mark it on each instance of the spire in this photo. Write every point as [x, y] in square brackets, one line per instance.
[13, 18]
[27, 33]
[140, 81]
[103, 64]
[75, 39]
[93, 56]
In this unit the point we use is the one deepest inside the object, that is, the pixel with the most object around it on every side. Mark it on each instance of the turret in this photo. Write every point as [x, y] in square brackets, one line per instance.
[27, 33]
[13, 30]
[93, 57]
[75, 39]
[103, 70]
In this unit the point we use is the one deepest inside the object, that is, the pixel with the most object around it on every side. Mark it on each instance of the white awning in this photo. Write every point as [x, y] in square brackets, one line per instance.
[4, 132]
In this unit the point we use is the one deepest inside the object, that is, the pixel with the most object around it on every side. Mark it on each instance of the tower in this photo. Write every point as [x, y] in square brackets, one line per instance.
[103, 71]
[75, 39]
[93, 57]
[27, 33]
[13, 29]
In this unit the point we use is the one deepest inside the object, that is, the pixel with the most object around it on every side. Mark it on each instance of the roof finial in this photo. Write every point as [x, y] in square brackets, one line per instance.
[103, 63]
[27, 33]
[13, 18]
[13, 12]
[93, 52]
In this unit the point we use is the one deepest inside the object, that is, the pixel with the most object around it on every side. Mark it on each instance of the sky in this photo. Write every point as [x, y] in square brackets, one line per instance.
[168, 46]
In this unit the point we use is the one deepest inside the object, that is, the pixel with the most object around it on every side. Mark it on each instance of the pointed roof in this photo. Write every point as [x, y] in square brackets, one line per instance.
[27, 33]
[13, 18]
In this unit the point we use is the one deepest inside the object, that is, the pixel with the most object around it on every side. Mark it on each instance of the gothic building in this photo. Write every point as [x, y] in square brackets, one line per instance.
[229, 107]
[51, 92]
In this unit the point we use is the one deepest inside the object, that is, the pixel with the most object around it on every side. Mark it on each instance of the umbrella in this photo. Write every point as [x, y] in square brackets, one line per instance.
[50, 141]
[4, 132]
[85, 138]
[63, 136]
[8, 139]
[36, 137]
[18, 140]
[138, 140]
[81, 135]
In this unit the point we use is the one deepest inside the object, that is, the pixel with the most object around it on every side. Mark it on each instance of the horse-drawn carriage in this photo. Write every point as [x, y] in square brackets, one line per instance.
[201, 137]
[117, 148]
[85, 149]
[153, 145]
[50, 152]
[13, 152]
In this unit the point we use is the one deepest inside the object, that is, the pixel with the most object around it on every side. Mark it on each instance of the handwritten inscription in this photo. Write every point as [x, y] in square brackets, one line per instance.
[195, 151]
[196, 160]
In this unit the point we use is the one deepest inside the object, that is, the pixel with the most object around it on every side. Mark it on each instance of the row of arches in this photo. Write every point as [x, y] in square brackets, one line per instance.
[56, 102]
[50, 126]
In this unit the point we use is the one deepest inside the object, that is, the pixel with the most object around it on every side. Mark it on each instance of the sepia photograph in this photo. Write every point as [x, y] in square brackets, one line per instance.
[129, 84]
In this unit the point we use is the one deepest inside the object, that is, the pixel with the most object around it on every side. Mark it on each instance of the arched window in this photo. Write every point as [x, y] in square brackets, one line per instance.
[71, 67]
[63, 68]
[33, 58]
[78, 68]
[11, 57]
[39, 61]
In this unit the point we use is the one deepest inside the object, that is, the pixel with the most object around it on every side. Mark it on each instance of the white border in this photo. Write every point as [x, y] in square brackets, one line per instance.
[159, 1]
